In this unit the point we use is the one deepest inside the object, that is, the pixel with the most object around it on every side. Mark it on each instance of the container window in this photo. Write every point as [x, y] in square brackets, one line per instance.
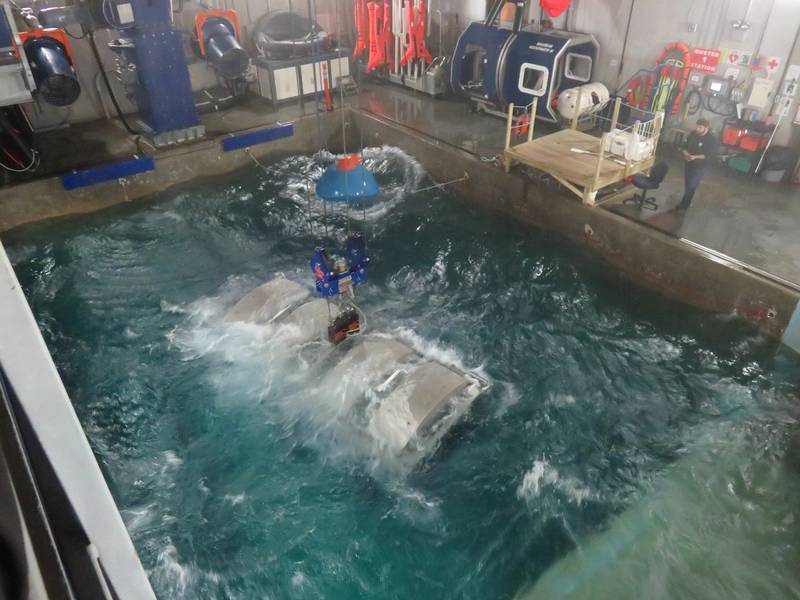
[578, 67]
[533, 79]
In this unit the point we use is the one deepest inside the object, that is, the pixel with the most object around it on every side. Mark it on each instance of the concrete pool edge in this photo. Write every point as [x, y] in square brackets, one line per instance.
[46, 198]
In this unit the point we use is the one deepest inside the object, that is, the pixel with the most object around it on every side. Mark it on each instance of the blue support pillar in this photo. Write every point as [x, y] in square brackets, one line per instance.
[164, 91]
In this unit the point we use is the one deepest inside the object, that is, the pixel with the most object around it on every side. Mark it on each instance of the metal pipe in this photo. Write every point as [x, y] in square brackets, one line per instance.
[441, 23]
[567, 16]
[747, 11]
[625, 44]
[494, 11]
[519, 15]
[757, 51]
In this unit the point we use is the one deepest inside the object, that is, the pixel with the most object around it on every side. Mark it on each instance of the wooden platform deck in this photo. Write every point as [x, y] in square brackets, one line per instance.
[574, 158]
[577, 159]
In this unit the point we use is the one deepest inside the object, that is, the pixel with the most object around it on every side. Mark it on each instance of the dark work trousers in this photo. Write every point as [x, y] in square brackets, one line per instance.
[693, 175]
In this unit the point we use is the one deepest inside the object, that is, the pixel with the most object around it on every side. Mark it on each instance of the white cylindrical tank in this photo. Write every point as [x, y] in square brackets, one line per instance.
[594, 97]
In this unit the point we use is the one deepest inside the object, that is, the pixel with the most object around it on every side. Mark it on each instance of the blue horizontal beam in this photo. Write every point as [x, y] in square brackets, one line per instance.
[261, 136]
[107, 172]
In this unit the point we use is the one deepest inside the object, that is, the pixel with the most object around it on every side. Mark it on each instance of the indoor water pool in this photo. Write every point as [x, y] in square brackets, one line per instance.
[628, 447]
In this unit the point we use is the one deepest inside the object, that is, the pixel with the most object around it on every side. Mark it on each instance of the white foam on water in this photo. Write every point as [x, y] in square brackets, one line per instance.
[560, 400]
[543, 474]
[328, 394]
[178, 579]
[137, 519]
[235, 499]
[532, 481]
[509, 396]
[299, 580]
[171, 459]
[130, 334]
[419, 510]
[432, 350]
[398, 175]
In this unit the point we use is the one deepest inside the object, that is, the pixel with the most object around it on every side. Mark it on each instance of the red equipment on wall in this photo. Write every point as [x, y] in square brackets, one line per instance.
[411, 51]
[422, 50]
[362, 27]
[50, 32]
[554, 7]
[376, 47]
[374, 33]
[654, 90]
[751, 136]
[49, 54]
[203, 16]
[386, 34]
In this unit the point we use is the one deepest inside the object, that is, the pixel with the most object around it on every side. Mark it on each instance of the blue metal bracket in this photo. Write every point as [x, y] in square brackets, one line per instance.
[107, 172]
[260, 136]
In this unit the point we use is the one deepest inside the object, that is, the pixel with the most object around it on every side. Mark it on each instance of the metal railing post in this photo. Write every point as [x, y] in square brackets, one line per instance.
[577, 108]
[534, 108]
[509, 123]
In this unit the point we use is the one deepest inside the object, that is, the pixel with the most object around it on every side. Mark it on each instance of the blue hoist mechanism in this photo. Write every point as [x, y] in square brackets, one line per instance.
[346, 180]
[336, 280]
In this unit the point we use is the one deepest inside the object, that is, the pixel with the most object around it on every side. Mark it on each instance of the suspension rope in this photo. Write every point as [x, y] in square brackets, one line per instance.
[441, 185]
[255, 160]
[309, 217]
[322, 142]
[344, 124]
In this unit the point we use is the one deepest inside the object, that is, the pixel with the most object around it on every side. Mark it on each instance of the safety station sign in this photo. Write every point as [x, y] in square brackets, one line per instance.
[705, 60]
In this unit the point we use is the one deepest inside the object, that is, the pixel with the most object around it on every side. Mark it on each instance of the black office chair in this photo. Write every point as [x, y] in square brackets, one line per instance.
[647, 183]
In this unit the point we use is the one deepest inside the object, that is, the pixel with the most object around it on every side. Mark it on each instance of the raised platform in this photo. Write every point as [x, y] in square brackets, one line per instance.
[576, 160]
[581, 162]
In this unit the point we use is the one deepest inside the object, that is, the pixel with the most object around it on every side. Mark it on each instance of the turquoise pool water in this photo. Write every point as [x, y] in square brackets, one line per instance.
[628, 448]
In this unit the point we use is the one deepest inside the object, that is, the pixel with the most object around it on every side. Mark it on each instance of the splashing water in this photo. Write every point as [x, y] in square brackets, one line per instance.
[243, 470]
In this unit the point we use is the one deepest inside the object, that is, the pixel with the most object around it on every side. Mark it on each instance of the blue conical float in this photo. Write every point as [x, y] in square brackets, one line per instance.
[347, 180]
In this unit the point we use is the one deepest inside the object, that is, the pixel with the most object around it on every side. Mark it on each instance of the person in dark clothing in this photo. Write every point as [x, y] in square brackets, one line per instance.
[700, 151]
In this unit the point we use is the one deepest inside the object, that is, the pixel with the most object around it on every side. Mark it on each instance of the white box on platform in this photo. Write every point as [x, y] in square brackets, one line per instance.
[629, 145]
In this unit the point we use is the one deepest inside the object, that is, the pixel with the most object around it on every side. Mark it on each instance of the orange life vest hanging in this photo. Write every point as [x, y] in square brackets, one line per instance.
[422, 50]
[362, 27]
[376, 59]
[411, 29]
[554, 7]
[648, 91]
[677, 71]
[386, 35]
